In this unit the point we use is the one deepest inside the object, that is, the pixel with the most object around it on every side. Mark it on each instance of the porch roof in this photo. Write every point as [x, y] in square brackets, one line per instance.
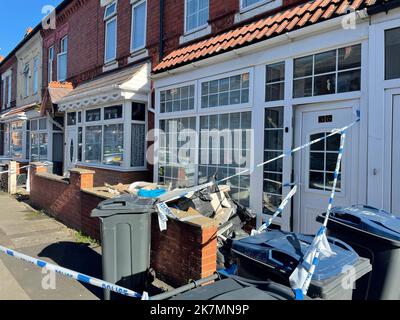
[17, 113]
[121, 84]
[278, 23]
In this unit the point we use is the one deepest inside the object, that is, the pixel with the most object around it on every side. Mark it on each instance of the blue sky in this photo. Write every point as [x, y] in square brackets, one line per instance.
[16, 16]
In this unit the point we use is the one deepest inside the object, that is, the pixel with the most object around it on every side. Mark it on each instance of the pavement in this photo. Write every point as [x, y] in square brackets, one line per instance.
[30, 232]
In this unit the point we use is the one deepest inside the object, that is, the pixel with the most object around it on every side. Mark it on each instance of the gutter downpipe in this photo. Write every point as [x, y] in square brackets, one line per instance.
[190, 286]
[161, 36]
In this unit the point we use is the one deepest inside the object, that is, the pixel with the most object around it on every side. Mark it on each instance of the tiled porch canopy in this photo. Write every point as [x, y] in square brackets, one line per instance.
[18, 113]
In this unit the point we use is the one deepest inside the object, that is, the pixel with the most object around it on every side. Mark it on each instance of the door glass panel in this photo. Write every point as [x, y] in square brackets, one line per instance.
[392, 52]
[273, 147]
[316, 161]
[317, 180]
[71, 150]
[323, 158]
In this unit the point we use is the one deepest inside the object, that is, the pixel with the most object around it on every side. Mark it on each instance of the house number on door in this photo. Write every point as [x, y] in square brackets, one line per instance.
[324, 119]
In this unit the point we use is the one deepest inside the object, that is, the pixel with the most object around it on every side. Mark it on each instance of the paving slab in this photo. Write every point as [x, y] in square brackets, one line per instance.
[10, 288]
[34, 234]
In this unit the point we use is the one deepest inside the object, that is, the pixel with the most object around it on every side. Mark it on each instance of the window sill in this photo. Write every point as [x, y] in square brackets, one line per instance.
[111, 65]
[112, 168]
[256, 9]
[138, 55]
[192, 35]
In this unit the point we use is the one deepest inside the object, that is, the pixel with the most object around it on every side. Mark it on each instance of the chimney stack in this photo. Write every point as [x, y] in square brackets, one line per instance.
[1, 59]
[28, 31]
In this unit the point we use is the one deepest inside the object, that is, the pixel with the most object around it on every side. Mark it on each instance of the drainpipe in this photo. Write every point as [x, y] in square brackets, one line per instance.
[161, 31]
[191, 285]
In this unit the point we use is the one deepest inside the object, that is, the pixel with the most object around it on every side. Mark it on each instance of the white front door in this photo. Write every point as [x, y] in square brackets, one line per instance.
[314, 166]
[71, 148]
[395, 199]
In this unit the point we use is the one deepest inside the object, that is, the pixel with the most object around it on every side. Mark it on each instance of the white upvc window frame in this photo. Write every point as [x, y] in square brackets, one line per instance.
[136, 3]
[254, 5]
[126, 121]
[231, 107]
[35, 75]
[63, 52]
[39, 131]
[199, 27]
[3, 93]
[246, 12]
[7, 87]
[107, 20]
[199, 112]
[130, 123]
[27, 76]
[336, 94]
[50, 60]
[22, 130]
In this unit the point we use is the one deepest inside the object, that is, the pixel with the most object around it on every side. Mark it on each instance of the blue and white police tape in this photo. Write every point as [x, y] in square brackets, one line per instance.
[300, 279]
[74, 275]
[288, 153]
[277, 213]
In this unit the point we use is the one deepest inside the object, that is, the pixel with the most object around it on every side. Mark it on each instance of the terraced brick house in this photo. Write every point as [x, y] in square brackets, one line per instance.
[96, 71]
[20, 95]
[288, 72]
[279, 73]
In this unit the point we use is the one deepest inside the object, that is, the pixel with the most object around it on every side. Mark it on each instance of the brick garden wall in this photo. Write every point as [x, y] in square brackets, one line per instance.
[114, 177]
[184, 252]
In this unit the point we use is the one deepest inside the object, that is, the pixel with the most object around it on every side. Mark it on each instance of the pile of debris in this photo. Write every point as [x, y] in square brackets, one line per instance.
[210, 200]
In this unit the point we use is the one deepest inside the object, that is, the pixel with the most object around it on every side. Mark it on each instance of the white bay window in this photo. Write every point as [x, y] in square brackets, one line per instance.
[103, 134]
[93, 141]
[16, 139]
[39, 142]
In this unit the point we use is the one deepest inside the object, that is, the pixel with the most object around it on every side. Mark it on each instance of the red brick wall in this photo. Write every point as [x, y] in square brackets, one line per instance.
[112, 177]
[184, 252]
[84, 22]
[89, 225]
[61, 200]
[222, 14]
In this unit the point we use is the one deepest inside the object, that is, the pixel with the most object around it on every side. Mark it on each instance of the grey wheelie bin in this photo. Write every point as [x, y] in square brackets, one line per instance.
[374, 234]
[126, 236]
[274, 255]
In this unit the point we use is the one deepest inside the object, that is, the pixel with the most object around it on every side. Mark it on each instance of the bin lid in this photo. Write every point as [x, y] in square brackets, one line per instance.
[124, 204]
[369, 219]
[284, 250]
